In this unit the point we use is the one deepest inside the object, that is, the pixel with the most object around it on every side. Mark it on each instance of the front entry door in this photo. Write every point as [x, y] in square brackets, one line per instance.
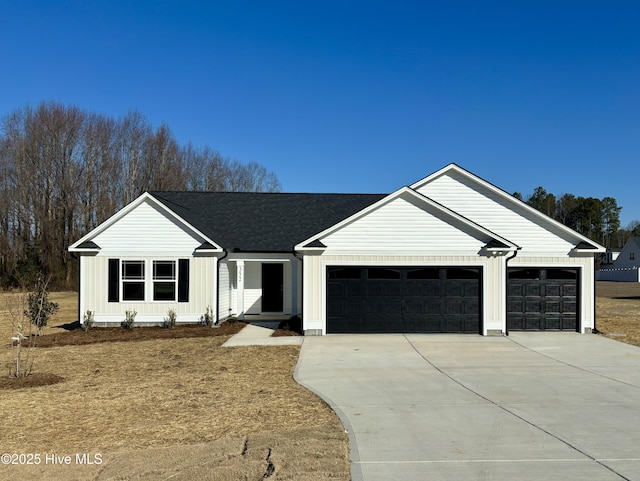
[272, 287]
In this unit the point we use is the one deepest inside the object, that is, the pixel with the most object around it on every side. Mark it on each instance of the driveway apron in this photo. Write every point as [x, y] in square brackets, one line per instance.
[533, 406]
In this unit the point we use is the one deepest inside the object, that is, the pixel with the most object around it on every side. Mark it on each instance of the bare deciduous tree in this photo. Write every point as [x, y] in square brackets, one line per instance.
[64, 170]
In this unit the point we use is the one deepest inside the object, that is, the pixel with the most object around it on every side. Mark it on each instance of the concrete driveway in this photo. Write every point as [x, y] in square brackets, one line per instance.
[531, 406]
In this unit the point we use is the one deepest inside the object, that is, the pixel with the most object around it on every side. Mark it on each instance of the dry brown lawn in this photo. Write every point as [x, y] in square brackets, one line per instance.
[185, 408]
[182, 408]
[618, 311]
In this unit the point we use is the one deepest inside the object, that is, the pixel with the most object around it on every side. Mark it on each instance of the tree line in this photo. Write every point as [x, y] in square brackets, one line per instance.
[597, 219]
[64, 170]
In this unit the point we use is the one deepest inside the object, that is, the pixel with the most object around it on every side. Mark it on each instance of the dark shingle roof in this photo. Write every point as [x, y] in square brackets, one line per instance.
[263, 222]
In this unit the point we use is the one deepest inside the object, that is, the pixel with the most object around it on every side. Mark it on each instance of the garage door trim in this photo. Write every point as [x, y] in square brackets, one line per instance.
[566, 318]
[457, 298]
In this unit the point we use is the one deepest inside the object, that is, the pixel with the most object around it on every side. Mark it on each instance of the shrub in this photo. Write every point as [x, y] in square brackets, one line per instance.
[39, 307]
[87, 320]
[207, 318]
[130, 317]
[170, 320]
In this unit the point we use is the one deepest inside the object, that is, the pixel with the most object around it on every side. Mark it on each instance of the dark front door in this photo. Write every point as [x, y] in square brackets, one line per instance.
[272, 287]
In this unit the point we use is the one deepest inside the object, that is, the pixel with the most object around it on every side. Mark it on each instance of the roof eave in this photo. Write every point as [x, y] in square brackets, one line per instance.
[506, 195]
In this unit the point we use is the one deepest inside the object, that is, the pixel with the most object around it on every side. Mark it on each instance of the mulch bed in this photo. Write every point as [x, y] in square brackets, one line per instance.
[78, 337]
[32, 380]
[284, 333]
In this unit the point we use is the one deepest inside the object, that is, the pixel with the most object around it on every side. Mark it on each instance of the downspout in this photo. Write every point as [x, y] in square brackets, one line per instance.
[76, 256]
[226, 253]
[595, 314]
[301, 281]
[506, 274]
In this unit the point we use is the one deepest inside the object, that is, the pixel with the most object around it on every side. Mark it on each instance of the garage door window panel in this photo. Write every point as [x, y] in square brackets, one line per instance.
[345, 273]
[560, 274]
[383, 274]
[457, 273]
[423, 273]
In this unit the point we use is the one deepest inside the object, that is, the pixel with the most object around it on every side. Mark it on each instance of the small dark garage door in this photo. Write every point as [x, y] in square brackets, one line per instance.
[542, 299]
[401, 299]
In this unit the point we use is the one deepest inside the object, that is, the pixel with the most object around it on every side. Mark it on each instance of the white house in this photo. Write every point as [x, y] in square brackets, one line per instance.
[450, 253]
[625, 266]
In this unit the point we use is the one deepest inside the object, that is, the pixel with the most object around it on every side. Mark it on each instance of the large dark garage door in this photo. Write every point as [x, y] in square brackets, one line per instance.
[542, 299]
[390, 299]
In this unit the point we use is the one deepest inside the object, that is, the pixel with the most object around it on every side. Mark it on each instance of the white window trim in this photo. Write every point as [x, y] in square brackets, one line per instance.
[148, 280]
[124, 281]
[174, 281]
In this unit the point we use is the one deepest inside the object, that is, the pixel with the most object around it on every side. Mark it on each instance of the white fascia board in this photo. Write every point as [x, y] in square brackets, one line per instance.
[389, 198]
[512, 199]
[128, 208]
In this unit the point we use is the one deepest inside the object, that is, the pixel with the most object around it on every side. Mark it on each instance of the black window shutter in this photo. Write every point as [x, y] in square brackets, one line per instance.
[114, 280]
[183, 280]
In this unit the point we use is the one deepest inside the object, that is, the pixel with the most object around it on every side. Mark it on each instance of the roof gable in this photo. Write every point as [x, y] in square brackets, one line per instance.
[632, 246]
[144, 224]
[500, 212]
[406, 220]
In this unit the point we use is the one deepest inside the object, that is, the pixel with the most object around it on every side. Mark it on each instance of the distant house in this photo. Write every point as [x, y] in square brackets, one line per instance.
[609, 257]
[450, 253]
[625, 266]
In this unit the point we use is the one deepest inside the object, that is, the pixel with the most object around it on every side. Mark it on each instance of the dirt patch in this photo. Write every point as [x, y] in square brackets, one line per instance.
[310, 454]
[618, 311]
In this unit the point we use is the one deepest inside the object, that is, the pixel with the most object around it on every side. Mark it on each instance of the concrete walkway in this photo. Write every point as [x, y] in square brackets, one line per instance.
[259, 334]
[533, 406]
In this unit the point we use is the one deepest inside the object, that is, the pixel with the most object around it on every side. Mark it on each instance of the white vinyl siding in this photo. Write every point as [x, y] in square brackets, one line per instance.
[406, 224]
[95, 275]
[252, 287]
[224, 302]
[507, 219]
[147, 231]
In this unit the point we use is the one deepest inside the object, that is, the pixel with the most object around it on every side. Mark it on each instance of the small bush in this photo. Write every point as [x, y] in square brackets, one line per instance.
[87, 320]
[207, 318]
[130, 317]
[231, 320]
[170, 320]
[294, 323]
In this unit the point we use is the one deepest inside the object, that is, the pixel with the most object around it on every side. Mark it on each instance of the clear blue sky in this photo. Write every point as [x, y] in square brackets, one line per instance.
[338, 96]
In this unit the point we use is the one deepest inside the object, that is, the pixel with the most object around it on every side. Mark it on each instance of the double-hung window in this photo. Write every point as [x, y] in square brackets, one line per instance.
[148, 280]
[164, 280]
[133, 280]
